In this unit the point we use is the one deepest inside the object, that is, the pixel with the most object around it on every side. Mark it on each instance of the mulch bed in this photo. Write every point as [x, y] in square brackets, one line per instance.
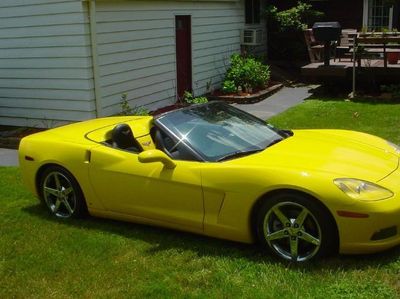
[247, 98]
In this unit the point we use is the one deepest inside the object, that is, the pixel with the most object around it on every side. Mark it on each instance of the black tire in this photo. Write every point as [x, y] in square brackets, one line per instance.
[61, 193]
[296, 227]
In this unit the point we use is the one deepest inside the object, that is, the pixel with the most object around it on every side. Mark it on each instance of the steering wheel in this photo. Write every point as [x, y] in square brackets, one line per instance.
[160, 142]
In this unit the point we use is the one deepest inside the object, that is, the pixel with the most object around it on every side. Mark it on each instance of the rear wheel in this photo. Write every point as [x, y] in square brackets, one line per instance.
[61, 193]
[295, 228]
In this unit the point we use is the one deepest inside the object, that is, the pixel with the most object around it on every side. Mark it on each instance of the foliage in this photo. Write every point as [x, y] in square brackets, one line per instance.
[190, 99]
[246, 72]
[229, 86]
[394, 89]
[296, 18]
[360, 50]
[209, 85]
[285, 35]
[389, 2]
[126, 109]
[140, 111]
[364, 29]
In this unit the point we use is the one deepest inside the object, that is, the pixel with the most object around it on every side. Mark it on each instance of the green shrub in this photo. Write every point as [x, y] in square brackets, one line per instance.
[247, 73]
[394, 89]
[126, 109]
[229, 86]
[189, 99]
[287, 25]
[296, 18]
[140, 111]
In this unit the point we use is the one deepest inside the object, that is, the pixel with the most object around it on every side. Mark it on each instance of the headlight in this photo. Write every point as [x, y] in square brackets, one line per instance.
[395, 147]
[362, 190]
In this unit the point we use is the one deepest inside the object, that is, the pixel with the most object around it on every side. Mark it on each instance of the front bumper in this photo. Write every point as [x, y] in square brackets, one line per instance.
[381, 230]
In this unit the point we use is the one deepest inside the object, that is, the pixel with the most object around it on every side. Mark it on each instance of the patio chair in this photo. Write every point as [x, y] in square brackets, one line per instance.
[314, 48]
[345, 44]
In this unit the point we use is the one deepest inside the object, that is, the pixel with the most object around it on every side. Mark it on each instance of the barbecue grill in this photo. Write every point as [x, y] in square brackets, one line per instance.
[327, 32]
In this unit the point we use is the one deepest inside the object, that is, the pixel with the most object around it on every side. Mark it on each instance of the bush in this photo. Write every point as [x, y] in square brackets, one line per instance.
[127, 110]
[394, 89]
[296, 18]
[287, 25]
[247, 73]
[189, 99]
[229, 87]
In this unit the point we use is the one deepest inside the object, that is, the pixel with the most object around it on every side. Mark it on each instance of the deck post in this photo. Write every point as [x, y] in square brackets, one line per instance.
[353, 93]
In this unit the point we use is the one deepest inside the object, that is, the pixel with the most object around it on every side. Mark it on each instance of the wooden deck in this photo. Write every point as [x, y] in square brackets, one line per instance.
[344, 70]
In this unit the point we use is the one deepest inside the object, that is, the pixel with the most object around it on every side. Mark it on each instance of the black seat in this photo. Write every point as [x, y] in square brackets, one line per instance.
[122, 137]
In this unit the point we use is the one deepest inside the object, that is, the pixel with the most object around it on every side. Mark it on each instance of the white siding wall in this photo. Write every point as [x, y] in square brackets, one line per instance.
[136, 47]
[45, 63]
[46, 72]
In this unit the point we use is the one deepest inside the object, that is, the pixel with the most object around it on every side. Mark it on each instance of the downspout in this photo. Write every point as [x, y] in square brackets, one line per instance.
[95, 59]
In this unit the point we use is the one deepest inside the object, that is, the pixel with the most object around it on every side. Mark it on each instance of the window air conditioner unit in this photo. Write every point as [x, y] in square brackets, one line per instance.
[252, 37]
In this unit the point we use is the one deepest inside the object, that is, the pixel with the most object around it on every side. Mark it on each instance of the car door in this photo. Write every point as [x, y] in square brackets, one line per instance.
[149, 190]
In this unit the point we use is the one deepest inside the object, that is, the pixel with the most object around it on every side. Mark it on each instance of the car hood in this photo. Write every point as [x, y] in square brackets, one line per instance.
[341, 153]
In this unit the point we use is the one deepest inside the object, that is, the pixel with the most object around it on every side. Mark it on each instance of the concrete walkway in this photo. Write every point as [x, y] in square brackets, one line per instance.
[285, 98]
[8, 157]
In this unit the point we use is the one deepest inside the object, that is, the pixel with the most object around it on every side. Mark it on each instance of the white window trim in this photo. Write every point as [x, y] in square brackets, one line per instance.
[365, 15]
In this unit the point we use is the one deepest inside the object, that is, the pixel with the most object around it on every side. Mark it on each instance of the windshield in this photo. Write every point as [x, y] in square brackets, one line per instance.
[218, 131]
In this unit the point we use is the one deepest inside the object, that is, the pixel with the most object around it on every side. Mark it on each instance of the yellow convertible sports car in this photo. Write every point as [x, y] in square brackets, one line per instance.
[215, 170]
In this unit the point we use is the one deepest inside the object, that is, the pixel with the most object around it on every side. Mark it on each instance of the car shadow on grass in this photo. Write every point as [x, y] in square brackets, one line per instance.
[162, 239]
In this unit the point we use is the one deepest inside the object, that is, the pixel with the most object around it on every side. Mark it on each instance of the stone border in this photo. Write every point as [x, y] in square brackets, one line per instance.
[253, 98]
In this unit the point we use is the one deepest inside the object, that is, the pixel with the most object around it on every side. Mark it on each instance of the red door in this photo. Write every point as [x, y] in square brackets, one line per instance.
[183, 54]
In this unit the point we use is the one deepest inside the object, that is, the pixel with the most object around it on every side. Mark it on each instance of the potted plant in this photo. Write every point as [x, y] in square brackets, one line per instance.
[364, 31]
[393, 55]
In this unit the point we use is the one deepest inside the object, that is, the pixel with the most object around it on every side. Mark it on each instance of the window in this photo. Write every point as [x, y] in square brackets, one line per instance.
[217, 131]
[377, 15]
[252, 11]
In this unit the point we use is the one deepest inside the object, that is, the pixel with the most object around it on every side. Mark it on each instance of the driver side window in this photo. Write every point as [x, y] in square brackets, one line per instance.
[173, 148]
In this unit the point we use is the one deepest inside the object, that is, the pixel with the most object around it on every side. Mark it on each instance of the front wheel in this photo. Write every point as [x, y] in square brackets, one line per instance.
[295, 227]
[61, 193]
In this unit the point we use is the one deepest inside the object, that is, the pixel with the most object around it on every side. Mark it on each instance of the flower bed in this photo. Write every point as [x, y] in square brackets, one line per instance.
[246, 98]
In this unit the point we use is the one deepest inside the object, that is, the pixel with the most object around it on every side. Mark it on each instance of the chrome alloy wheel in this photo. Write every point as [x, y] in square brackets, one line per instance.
[292, 231]
[59, 194]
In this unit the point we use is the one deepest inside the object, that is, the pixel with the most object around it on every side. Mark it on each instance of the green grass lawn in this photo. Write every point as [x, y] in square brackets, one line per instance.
[44, 257]
[379, 119]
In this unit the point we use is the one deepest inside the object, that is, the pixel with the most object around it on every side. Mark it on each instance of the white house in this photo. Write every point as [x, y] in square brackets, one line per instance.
[70, 60]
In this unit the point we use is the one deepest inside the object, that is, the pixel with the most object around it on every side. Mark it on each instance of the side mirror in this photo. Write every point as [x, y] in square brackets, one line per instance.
[151, 156]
